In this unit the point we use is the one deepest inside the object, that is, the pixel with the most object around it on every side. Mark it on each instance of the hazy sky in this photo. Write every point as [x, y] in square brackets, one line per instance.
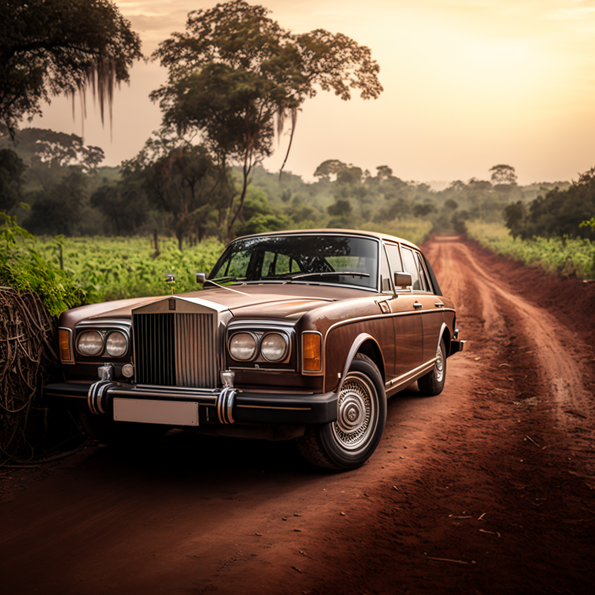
[467, 84]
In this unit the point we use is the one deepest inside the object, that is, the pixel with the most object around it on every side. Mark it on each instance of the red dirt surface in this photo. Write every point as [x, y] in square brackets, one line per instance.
[487, 488]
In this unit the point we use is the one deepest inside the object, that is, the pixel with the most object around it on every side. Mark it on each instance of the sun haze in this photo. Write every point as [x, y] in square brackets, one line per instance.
[467, 84]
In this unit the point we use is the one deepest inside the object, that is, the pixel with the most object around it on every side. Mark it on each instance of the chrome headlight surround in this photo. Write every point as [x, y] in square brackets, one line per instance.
[90, 337]
[267, 350]
[233, 346]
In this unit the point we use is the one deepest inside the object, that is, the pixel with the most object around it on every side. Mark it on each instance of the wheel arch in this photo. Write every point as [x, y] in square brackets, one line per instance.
[366, 344]
[446, 335]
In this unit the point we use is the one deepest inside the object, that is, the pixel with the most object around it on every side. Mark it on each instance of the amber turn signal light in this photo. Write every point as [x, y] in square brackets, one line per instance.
[311, 346]
[64, 343]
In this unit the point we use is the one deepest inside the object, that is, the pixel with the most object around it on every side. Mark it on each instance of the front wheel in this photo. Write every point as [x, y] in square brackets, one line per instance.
[433, 382]
[361, 415]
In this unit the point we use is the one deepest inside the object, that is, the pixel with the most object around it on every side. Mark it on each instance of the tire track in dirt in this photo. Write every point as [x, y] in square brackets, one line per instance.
[549, 340]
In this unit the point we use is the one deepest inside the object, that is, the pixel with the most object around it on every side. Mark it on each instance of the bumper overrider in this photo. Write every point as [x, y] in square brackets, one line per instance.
[221, 405]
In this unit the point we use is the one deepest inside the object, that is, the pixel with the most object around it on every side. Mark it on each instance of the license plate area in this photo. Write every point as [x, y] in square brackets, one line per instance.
[145, 411]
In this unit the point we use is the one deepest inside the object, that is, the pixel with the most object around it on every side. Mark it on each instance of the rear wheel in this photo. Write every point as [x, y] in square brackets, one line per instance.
[361, 415]
[433, 382]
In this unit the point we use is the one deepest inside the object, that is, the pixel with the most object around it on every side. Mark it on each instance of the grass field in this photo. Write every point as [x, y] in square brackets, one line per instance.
[114, 268]
[555, 255]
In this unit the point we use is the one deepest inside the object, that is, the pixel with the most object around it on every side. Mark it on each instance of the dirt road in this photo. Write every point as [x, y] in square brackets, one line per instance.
[488, 488]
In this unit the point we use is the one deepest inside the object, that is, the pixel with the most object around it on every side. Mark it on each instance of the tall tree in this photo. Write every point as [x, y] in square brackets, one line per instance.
[48, 47]
[180, 179]
[234, 72]
[503, 175]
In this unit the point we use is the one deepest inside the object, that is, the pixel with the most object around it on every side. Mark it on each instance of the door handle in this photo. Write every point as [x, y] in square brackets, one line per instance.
[439, 305]
[417, 305]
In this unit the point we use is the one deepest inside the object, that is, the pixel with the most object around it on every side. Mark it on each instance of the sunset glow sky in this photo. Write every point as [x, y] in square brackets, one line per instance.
[467, 84]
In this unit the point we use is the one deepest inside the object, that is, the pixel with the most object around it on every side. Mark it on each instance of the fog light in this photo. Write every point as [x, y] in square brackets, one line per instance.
[128, 370]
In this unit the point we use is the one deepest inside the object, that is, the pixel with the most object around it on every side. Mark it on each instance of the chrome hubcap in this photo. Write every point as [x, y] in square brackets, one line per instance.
[439, 365]
[356, 414]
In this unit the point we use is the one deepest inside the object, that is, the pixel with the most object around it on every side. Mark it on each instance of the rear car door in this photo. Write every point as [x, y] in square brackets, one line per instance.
[431, 305]
[407, 322]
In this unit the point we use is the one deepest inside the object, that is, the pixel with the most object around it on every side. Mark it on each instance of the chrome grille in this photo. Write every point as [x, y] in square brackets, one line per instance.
[175, 349]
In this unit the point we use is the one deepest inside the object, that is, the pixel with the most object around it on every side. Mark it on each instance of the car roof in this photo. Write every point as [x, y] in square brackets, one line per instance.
[358, 232]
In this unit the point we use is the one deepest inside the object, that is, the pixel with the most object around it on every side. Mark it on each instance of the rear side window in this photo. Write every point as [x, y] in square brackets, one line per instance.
[411, 267]
[422, 272]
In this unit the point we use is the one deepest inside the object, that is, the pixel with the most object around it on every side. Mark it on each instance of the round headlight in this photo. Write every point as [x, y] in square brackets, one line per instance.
[242, 346]
[90, 343]
[274, 347]
[116, 344]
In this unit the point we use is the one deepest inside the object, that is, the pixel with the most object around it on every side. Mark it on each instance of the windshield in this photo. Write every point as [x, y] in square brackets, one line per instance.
[307, 258]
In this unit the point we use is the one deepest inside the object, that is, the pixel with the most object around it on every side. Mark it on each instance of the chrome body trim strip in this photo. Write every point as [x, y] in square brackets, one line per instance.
[409, 376]
[275, 408]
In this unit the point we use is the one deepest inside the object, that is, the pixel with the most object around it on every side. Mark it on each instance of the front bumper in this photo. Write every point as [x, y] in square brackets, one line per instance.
[215, 405]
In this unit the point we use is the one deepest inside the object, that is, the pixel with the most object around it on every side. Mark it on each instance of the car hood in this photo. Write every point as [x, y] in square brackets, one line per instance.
[288, 301]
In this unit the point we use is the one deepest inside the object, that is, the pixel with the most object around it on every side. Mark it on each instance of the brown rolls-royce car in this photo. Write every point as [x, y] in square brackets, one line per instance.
[295, 335]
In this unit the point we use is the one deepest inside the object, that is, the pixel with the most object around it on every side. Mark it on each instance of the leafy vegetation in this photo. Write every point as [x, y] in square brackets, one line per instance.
[48, 47]
[117, 268]
[24, 268]
[560, 213]
[234, 71]
[555, 255]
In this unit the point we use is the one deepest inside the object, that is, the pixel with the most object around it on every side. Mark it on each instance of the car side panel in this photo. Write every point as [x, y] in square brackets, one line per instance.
[341, 337]
[432, 318]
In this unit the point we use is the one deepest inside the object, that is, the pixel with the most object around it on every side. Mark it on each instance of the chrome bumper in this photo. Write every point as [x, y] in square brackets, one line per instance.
[221, 405]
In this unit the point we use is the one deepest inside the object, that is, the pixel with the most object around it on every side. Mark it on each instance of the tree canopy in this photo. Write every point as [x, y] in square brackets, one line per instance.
[235, 72]
[49, 47]
[503, 175]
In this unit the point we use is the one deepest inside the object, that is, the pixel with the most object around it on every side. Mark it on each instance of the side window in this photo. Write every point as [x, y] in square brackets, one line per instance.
[385, 272]
[275, 264]
[411, 267]
[422, 273]
[237, 265]
[394, 257]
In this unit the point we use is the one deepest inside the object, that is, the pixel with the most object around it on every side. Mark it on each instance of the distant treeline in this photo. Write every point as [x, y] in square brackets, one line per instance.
[54, 184]
[564, 213]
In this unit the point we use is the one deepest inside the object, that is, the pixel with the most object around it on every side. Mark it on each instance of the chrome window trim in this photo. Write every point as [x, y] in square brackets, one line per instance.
[321, 233]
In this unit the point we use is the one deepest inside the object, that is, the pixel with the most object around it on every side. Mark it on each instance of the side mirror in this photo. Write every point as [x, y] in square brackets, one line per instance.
[201, 277]
[403, 279]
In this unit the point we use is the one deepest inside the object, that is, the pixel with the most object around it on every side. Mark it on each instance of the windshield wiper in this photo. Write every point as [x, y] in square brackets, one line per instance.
[202, 278]
[329, 274]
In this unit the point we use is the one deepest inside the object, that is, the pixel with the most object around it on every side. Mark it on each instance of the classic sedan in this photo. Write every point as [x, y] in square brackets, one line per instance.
[295, 335]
